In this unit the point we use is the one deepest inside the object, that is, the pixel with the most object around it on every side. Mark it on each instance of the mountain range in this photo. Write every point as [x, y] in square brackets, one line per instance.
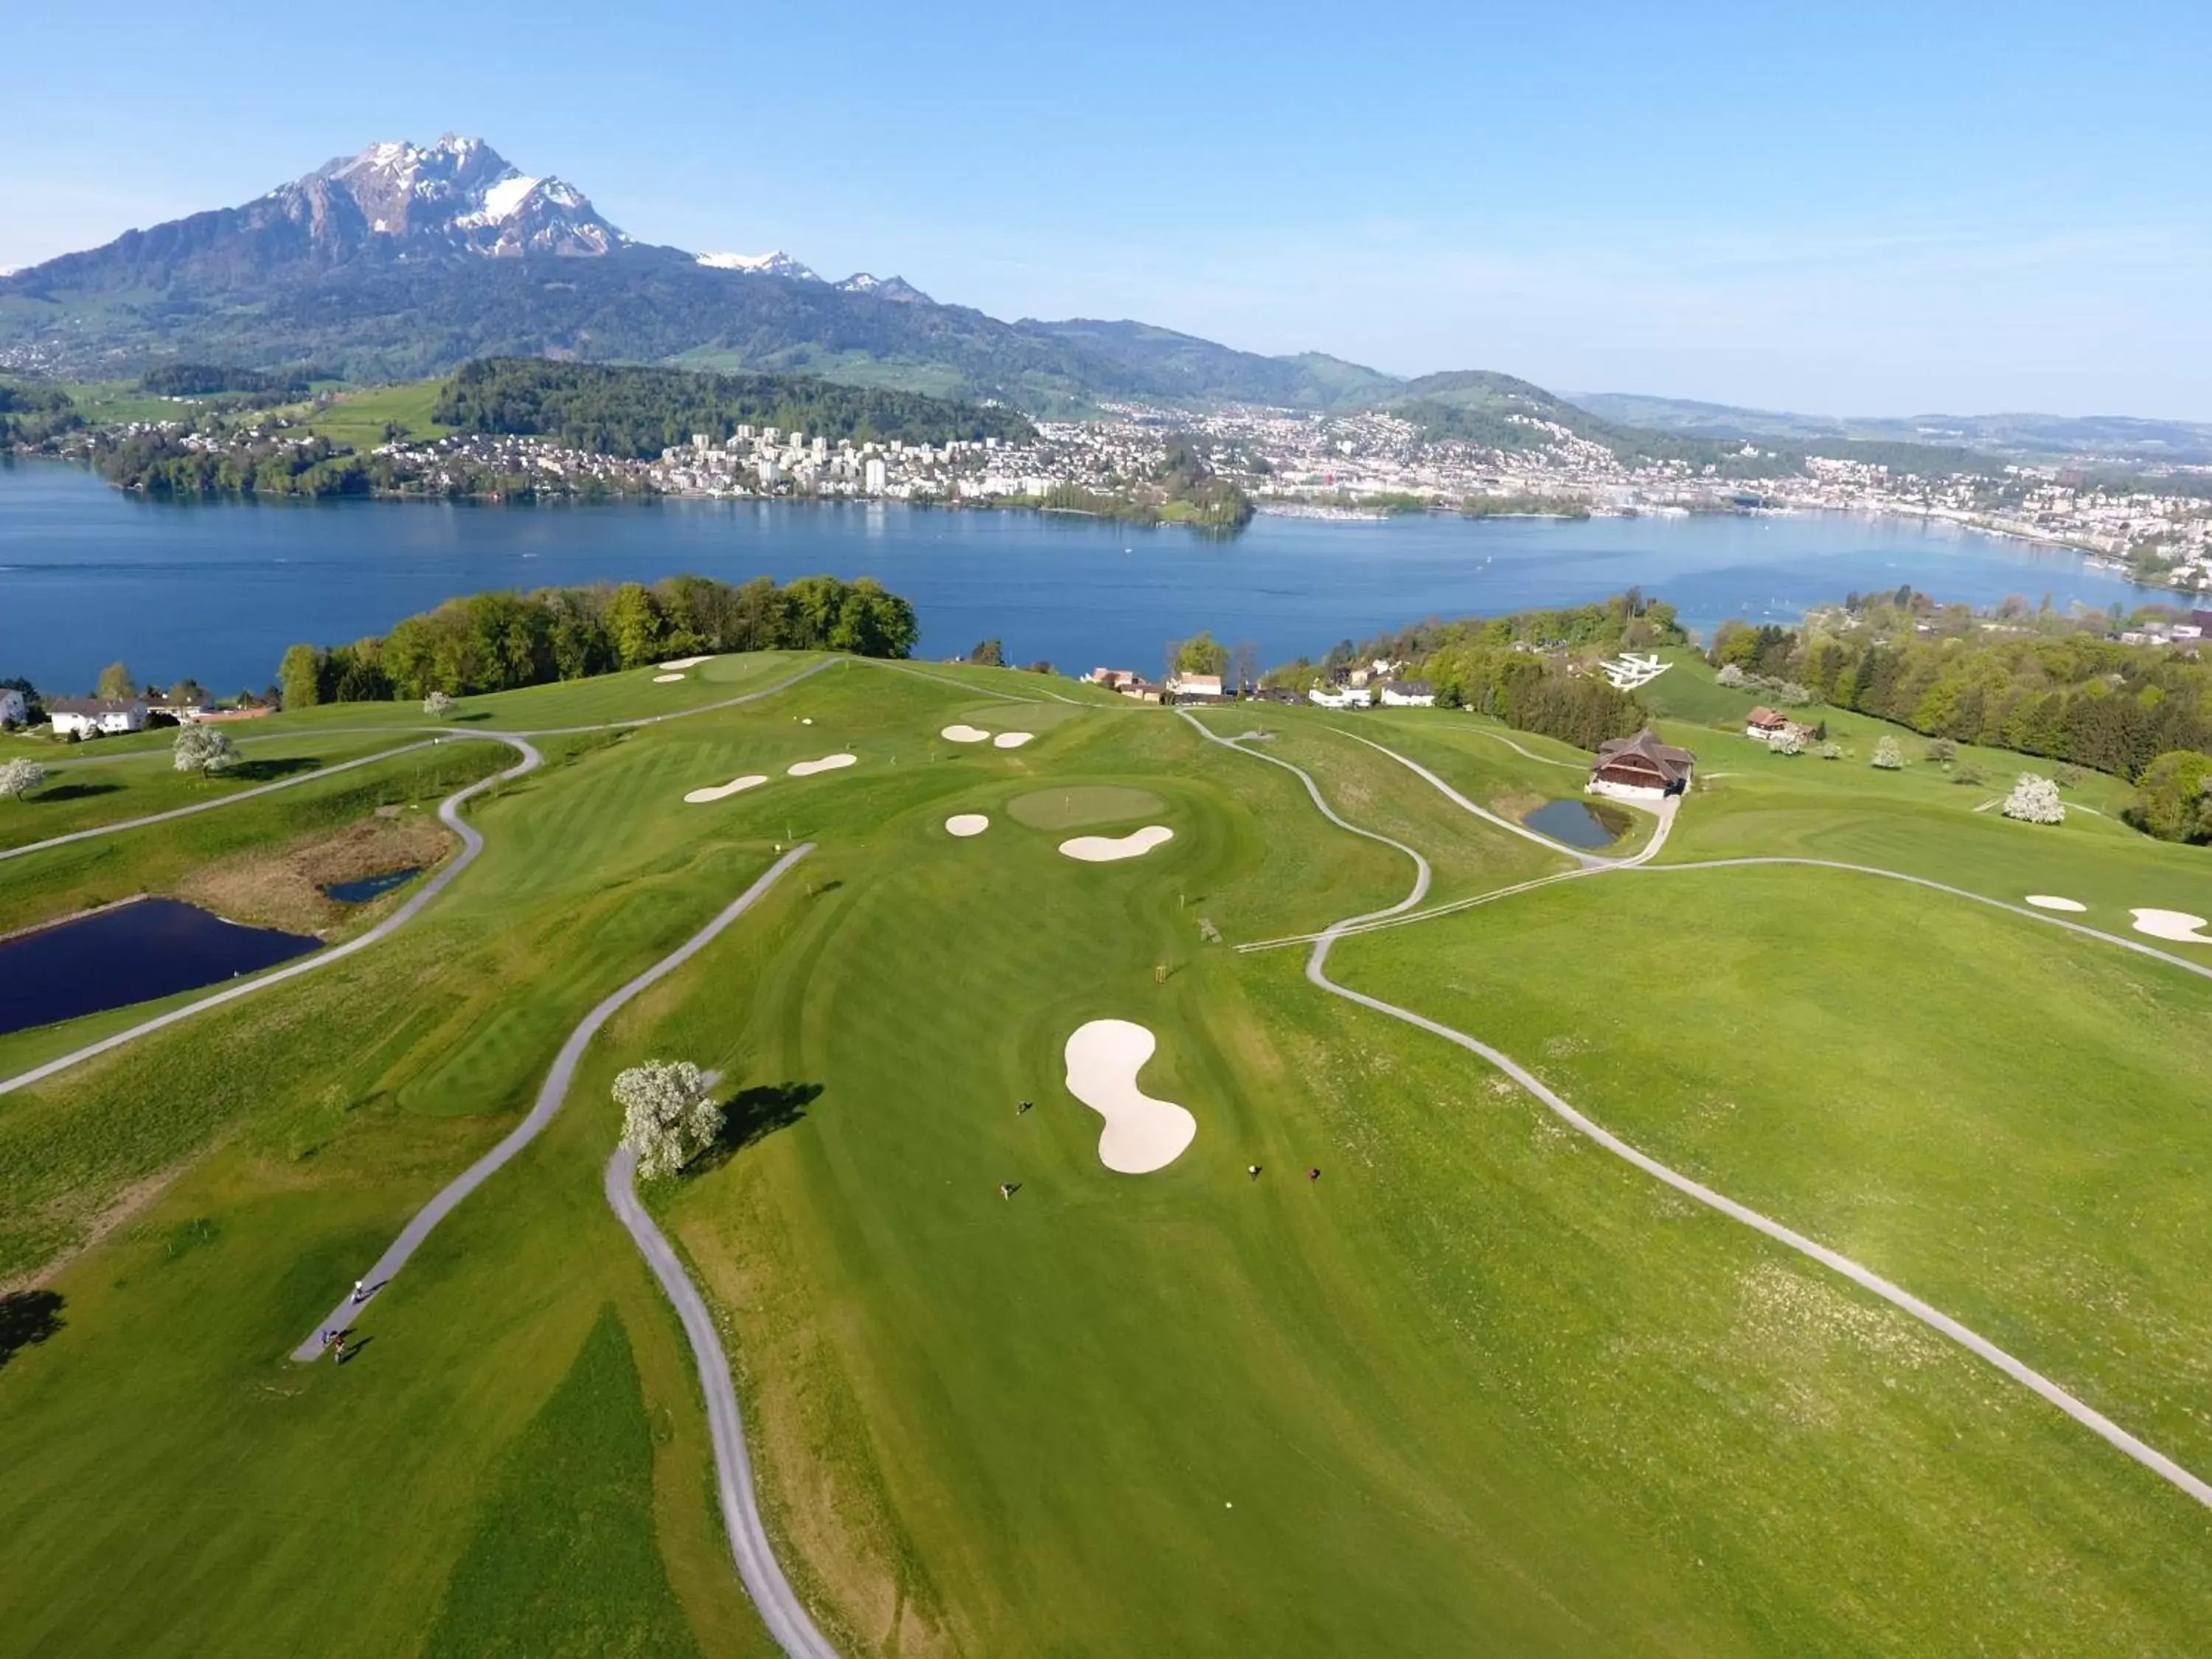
[406, 261]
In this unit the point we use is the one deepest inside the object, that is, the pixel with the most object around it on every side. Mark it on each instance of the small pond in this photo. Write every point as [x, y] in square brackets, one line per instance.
[1579, 823]
[372, 887]
[132, 953]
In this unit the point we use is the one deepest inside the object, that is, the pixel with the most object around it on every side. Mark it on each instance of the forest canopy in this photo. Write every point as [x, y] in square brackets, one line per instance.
[612, 410]
[498, 641]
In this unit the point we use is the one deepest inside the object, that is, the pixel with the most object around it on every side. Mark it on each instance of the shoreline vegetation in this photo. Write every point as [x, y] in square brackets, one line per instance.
[504, 640]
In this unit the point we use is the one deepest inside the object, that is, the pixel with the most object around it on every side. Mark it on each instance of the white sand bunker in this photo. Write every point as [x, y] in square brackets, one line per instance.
[666, 680]
[2172, 924]
[1141, 1134]
[1105, 849]
[827, 764]
[966, 824]
[724, 790]
[682, 663]
[1012, 740]
[2048, 901]
[965, 734]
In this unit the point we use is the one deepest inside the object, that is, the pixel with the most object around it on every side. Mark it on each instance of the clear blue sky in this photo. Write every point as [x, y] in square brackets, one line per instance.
[1875, 208]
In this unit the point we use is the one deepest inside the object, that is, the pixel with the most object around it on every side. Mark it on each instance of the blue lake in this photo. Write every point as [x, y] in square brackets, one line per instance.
[89, 575]
[132, 953]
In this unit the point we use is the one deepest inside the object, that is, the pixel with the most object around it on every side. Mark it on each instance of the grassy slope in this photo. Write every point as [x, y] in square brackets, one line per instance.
[358, 418]
[1480, 1388]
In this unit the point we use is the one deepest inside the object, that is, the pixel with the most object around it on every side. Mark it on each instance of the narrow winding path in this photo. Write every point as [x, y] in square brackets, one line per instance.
[2019, 1370]
[448, 810]
[550, 1095]
[757, 1568]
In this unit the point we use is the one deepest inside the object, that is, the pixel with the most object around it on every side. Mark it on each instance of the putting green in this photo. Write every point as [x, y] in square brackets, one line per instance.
[1082, 804]
[1479, 1388]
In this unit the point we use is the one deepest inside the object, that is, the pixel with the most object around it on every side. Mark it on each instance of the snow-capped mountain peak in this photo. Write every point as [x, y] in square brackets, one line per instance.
[885, 287]
[778, 264]
[457, 194]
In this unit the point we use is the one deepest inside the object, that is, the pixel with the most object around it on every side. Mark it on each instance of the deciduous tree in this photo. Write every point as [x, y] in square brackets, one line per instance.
[667, 1119]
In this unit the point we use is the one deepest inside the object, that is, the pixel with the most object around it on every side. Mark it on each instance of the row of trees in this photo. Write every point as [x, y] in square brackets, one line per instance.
[499, 640]
[2063, 691]
[163, 463]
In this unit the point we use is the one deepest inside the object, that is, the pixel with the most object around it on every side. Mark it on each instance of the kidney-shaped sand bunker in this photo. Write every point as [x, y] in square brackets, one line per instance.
[1141, 1134]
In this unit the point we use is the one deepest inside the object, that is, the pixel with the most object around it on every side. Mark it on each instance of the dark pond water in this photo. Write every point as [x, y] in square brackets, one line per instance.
[218, 589]
[370, 887]
[133, 953]
[1574, 822]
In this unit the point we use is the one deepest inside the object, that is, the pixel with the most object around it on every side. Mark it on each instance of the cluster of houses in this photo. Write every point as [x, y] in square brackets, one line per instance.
[1362, 688]
[107, 717]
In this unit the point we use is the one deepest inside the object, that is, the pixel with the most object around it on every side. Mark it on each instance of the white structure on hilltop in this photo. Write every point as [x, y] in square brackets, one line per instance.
[1340, 696]
[95, 717]
[1408, 694]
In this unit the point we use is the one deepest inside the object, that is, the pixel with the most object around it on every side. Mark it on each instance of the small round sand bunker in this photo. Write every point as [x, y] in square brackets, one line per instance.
[1141, 1134]
[964, 734]
[827, 764]
[2172, 924]
[2052, 902]
[667, 679]
[966, 824]
[724, 790]
[1012, 740]
[1107, 849]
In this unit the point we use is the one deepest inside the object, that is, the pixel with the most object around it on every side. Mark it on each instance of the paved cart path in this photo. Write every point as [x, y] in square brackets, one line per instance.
[763, 1579]
[550, 1096]
[1316, 972]
[448, 810]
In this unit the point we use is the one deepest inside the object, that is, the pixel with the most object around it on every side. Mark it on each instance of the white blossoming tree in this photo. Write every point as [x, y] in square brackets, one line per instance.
[438, 706]
[1832, 751]
[1888, 756]
[1729, 675]
[1789, 741]
[204, 749]
[19, 777]
[667, 1119]
[2034, 800]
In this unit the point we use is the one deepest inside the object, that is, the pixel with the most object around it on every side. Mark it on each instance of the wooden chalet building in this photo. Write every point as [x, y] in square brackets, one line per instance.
[1642, 768]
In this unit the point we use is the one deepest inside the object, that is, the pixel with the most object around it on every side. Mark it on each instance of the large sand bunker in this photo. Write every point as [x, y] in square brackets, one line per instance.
[724, 790]
[2172, 924]
[2051, 902]
[966, 824]
[1105, 849]
[827, 764]
[682, 663]
[666, 680]
[964, 734]
[1012, 740]
[1141, 1134]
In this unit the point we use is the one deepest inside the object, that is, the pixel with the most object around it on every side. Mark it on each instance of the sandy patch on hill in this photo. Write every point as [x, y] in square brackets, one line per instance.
[283, 887]
[1141, 1134]
[2172, 924]
[966, 824]
[666, 680]
[682, 663]
[1012, 740]
[1105, 849]
[2050, 901]
[964, 734]
[724, 790]
[827, 764]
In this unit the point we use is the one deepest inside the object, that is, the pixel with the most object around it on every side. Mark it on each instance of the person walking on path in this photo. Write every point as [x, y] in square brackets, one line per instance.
[359, 1292]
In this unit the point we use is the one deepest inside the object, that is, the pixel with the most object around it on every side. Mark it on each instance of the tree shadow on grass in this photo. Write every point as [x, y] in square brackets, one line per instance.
[267, 771]
[27, 1318]
[754, 1114]
[76, 790]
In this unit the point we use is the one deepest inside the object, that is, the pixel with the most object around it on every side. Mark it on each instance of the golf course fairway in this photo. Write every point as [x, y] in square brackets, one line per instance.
[1379, 1357]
